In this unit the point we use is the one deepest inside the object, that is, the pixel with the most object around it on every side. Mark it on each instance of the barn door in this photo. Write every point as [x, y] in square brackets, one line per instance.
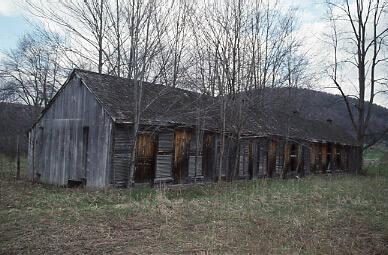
[181, 155]
[145, 158]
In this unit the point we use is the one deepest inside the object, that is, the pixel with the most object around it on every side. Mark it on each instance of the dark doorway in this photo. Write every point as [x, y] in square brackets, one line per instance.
[208, 156]
[338, 160]
[181, 155]
[293, 157]
[329, 157]
[272, 145]
[145, 158]
[250, 164]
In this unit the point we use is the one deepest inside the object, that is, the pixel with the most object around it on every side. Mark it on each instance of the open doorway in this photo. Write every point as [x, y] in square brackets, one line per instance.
[145, 158]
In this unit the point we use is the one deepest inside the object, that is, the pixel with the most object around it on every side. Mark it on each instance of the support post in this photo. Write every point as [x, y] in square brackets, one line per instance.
[17, 158]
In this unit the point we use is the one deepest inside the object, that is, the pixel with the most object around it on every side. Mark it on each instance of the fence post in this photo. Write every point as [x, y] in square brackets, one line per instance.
[17, 158]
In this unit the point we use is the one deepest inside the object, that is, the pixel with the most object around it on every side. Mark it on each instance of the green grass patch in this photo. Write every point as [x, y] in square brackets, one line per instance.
[315, 215]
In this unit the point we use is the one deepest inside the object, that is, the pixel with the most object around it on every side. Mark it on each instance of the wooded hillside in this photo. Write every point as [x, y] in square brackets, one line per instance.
[16, 119]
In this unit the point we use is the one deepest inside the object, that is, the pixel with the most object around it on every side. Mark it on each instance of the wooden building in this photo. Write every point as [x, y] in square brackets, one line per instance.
[85, 136]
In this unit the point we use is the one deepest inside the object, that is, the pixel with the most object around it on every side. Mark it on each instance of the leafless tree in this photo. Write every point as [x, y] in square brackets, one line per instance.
[31, 73]
[86, 23]
[240, 47]
[359, 31]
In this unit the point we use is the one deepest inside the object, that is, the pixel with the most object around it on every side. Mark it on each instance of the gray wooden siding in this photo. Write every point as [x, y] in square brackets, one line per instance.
[226, 156]
[164, 156]
[195, 155]
[122, 149]
[58, 150]
[244, 160]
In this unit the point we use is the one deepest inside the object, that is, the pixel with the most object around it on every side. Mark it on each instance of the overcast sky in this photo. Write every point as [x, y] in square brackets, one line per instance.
[13, 25]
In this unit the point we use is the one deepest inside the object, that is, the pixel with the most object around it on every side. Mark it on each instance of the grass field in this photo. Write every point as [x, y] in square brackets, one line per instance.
[326, 214]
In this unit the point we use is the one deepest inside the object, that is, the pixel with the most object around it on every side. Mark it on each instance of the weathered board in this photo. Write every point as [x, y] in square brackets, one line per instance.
[208, 160]
[195, 155]
[60, 151]
[180, 170]
[271, 166]
[145, 158]
[121, 154]
[263, 157]
[164, 156]
[244, 160]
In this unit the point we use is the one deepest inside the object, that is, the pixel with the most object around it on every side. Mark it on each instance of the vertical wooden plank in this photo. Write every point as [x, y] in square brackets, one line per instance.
[253, 159]
[271, 157]
[287, 159]
[299, 160]
[313, 157]
[334, 156]
[324, 157]
[181, 155]
[145, 158]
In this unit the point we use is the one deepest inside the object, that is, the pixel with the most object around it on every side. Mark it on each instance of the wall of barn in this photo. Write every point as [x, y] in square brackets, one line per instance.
[72, 140]
[175, 155]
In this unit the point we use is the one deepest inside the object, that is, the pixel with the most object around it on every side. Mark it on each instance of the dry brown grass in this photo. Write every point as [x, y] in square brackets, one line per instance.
[339, 214]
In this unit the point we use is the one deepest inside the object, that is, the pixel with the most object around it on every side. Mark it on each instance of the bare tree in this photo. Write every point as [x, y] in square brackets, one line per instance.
[241, 47]
[86, 22]
[32, 73]
[359, 44]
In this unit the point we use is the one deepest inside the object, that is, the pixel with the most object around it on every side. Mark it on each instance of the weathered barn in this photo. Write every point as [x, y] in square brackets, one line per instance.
[85, 135]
